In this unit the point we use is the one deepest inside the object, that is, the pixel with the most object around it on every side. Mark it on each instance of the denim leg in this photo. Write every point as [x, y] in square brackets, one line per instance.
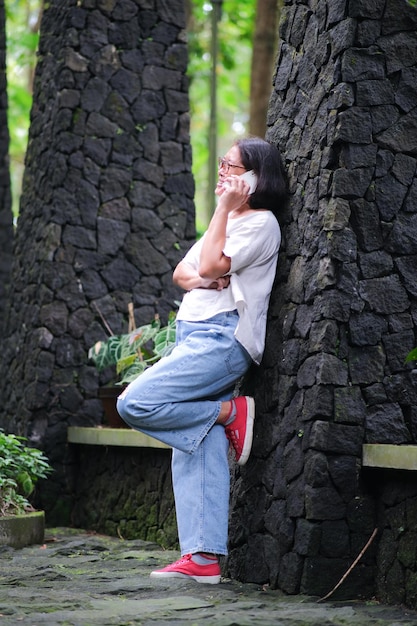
[201, 483]
[178, 401]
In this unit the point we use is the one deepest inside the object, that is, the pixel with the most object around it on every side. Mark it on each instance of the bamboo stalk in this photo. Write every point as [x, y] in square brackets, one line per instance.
[132, 323]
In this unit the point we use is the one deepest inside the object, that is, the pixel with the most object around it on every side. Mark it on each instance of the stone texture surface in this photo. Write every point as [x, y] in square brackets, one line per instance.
[125, 492]
[106, 212]
[79, 579]
[396, 574]
[18, 531]
[343, 313]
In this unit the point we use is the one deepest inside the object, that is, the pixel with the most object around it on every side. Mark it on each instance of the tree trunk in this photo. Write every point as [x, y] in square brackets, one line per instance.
[264, 49]
[6, 217]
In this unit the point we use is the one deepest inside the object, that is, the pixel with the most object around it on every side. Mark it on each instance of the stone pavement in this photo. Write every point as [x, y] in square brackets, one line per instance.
[81, 579]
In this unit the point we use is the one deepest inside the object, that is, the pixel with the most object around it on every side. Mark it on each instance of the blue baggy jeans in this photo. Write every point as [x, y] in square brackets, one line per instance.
[178, 401]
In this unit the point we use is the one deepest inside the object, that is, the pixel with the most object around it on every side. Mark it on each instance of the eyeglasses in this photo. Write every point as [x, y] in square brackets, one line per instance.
[226, 164]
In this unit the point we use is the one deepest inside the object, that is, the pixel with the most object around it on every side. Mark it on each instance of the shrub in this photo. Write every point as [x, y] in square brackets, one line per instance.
[20, 469]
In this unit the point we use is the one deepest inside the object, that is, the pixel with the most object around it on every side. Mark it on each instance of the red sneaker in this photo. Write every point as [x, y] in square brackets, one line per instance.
[240, 431]
[186, 568]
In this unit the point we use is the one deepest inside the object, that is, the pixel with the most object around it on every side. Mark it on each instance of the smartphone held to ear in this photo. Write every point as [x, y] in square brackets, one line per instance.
[250, 178]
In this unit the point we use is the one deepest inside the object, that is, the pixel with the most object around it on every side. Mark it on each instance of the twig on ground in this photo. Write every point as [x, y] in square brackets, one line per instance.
[358, 558]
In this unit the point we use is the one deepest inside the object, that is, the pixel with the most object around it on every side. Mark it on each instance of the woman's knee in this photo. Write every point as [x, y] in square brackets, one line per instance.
[127, 408]
[121, 407]
[132, 410]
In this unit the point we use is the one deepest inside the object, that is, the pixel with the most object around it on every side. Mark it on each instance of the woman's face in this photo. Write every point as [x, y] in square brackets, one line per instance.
[230, 164]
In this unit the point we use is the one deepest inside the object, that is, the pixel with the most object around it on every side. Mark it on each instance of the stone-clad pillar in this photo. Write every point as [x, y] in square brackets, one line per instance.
[343, 313]
[106, 213]
[6, 216]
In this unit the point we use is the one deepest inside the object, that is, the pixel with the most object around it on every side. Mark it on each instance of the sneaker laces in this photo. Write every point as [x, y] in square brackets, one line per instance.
[234, 441]
[184, 559]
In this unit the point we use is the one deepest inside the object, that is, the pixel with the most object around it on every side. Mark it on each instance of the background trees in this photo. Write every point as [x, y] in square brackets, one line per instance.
[247, 39]
[263, 56]
[22, 26]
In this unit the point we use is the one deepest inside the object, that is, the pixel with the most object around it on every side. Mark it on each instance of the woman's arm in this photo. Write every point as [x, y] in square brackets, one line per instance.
[188, 278]
[213, 262]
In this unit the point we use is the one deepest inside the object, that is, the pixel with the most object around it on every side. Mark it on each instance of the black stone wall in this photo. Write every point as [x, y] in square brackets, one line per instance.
[106, 212]
[343, 313]
[396, 577]
[125, 492]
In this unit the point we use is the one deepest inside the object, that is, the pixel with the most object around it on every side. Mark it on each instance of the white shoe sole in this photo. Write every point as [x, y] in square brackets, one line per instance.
[247, 444]
[209, 580]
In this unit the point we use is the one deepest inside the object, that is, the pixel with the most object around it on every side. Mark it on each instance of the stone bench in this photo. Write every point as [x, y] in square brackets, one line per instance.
[122, 484]
[389, 456]
[102, 436]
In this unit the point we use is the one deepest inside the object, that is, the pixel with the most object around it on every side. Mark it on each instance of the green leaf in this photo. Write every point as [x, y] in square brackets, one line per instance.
[411, 356]
[136, 369]
[164, 341]
[25, 483]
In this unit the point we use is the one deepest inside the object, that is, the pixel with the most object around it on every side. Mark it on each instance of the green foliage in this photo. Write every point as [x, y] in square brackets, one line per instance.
[22, 42]
[20, 469]
[234, 57]
[411, 356]
[133, 352]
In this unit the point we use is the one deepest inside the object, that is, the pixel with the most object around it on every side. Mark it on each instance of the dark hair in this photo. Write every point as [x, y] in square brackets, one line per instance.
[265, 159]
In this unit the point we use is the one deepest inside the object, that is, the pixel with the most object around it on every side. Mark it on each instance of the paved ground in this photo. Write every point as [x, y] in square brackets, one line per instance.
[79, 579]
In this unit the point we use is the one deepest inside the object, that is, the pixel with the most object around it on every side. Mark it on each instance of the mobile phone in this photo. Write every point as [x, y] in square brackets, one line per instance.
[250, 178]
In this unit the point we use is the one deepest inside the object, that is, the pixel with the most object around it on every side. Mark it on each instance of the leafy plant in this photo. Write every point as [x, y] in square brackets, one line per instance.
[411, 356]
[135, 351]
[20, 469]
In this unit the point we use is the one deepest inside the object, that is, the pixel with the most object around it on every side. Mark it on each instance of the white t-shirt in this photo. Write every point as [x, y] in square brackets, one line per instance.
[252, 244]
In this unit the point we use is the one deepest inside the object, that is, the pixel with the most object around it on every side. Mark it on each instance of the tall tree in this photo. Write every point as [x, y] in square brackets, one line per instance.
[6, 218]
[22, 26]
[234, 50]
[263, 56]
[247, 43]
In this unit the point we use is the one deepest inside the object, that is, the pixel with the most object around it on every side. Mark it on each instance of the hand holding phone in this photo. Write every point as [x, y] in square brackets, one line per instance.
[250, 178]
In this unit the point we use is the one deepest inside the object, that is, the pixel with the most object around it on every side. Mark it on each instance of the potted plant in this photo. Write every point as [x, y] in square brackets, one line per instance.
[20, 469]
[130, 354]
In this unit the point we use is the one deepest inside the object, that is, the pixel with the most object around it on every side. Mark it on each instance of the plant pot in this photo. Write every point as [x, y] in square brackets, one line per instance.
[108, 397]
[18, 531]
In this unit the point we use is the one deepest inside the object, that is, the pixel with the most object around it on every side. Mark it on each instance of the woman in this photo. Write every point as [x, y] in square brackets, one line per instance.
[186, 399]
